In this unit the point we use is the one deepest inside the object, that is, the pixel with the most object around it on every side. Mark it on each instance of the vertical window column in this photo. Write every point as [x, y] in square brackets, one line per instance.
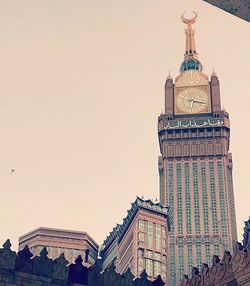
[213, 207]
[172, 262]
[158, 237]
[207, 252]
[150, 235]
[149, 267]
[188, 203]
[181, 260]
[204, 197]
[170, 192]
[196, 198]
[179, 198]
[190, 257]
[198, 253]
[222, 205]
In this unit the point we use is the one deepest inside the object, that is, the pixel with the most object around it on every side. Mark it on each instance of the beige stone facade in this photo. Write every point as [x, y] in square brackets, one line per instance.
[57, 241]
[195, 166]
[141, 241]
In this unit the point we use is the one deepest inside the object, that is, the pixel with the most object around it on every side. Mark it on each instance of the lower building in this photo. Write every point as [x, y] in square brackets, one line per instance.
[140, 242]
[57, 241]
[246, 234]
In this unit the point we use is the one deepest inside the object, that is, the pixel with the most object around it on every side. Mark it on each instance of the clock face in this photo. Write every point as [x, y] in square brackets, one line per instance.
[193, 100]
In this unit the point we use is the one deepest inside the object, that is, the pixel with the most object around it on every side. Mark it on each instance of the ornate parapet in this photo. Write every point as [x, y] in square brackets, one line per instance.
[18, 269]
[230, 270]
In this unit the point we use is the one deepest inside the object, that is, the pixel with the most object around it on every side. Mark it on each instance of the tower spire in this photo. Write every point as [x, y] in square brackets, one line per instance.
[191, 61]
[190, 40]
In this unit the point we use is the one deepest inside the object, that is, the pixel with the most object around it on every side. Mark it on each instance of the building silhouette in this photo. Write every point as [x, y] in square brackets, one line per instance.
[58, 241]
[140, 242]
[195, 166]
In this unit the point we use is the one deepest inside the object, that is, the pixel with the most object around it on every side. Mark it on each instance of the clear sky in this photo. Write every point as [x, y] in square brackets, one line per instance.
[82, 85]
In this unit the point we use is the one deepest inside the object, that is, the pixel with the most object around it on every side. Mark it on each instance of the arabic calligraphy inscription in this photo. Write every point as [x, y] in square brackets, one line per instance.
[193, 123]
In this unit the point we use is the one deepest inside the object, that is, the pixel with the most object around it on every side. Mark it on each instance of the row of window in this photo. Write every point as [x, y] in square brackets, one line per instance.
[188, 203]
[222, 199]
[213, 198]
[70, 253]
[204, 197]
[152, 267]
[196, 198]
[170, 192]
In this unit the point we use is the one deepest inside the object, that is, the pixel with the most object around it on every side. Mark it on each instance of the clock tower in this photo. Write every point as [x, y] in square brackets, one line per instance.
[195, 166]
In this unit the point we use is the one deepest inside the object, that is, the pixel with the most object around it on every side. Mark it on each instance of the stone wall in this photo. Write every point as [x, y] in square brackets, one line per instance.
[21, 269]
[229, 271]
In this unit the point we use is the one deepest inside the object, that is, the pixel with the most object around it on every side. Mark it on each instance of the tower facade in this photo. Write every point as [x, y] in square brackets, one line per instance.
[195, 166]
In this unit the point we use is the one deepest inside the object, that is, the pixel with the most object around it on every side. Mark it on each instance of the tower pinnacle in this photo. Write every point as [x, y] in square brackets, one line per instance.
[191, 61]
[190, 41]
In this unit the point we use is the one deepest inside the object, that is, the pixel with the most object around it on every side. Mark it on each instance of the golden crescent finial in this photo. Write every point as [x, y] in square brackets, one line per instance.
[189, 21]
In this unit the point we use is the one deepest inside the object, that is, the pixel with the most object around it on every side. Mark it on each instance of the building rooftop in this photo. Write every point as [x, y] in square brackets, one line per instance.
[55, 232]
[119, 230]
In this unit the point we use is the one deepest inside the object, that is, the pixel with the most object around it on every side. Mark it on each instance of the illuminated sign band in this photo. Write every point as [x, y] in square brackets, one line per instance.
[193, 123]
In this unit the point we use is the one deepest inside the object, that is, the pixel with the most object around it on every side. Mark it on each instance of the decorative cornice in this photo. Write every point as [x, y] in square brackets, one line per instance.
[119, 230]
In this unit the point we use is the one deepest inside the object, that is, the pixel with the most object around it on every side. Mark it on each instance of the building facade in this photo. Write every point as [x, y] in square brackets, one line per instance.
[141, 241]
[57, 241]
[246, 234]
[195, 166]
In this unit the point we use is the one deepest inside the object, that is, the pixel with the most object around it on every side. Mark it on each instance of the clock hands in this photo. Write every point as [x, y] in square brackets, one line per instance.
[196, 100]
[200, 101]
[191, 103]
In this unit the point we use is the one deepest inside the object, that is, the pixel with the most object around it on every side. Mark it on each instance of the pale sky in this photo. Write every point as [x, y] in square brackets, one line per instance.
[82, 85]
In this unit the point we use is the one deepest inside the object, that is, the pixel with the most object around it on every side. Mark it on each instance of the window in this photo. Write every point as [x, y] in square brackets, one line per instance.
[141, 236]
[157, 268]
[141, 224]
[216, 249]
[163, 231]
[141, 261]
[140, 269]
[140, 253]
[149, 267]
[157, 256]
[164, 243]
[150, 234]
[149, 254]
[158, 237]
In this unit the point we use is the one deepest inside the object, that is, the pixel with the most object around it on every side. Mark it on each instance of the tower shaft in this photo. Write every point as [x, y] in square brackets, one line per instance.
[195, 166]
